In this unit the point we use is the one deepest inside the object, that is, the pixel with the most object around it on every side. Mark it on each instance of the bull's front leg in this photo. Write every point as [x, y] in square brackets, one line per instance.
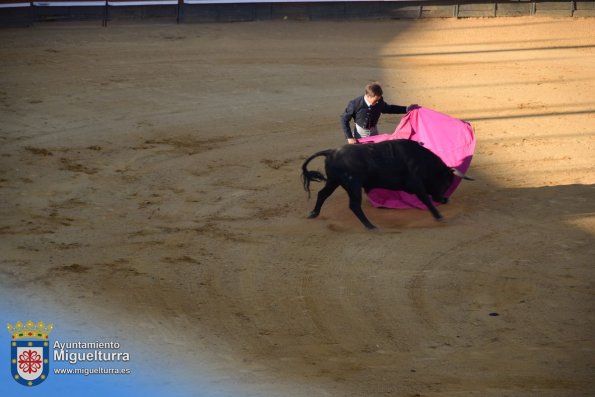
[323, 194]
[417, 187]
[424, 198]
[355, 203]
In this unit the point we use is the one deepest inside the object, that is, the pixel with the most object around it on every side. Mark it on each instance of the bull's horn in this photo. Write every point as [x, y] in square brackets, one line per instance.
[461, 175]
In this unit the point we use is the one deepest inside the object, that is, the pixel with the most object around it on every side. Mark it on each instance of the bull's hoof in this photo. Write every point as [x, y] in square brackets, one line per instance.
[313, 214]
[371, 227]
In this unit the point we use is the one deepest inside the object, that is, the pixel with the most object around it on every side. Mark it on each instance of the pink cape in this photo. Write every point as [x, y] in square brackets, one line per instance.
[449, 138]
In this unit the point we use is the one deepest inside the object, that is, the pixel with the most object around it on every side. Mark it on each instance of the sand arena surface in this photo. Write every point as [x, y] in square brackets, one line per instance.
[150, 182]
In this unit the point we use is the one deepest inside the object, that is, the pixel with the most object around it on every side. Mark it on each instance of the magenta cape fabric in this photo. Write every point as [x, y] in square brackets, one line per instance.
[451, 139]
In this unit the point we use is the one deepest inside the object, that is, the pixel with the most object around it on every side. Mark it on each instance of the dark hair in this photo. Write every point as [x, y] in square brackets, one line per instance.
[374, 89]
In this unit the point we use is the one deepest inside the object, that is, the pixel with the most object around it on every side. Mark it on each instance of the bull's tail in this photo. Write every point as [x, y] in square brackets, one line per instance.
[316, 176]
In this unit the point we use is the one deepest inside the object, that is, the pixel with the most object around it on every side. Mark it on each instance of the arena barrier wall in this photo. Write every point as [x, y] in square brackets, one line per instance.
[14, 12]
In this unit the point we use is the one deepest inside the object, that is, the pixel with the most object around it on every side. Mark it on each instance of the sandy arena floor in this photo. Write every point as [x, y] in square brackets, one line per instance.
[150, 182]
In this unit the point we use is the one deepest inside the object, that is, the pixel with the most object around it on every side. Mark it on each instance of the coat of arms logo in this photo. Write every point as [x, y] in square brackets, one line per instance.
[29, 347]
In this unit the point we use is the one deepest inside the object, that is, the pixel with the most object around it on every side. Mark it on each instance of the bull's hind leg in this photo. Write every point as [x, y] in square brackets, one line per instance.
[323, 194]
[355, 203]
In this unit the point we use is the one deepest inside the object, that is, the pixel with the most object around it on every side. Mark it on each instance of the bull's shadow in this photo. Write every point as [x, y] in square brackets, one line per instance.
[534, 205]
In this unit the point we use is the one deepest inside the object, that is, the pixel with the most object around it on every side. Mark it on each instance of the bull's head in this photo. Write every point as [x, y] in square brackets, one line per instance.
[443, 183]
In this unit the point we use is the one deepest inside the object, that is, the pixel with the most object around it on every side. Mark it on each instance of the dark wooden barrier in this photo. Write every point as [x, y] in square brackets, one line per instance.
[15, 12]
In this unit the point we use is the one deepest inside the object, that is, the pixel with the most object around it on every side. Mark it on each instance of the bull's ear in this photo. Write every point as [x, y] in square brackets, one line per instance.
[461, 175]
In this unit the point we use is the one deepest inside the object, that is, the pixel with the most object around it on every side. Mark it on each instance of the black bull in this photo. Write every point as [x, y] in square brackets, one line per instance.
[398, 164]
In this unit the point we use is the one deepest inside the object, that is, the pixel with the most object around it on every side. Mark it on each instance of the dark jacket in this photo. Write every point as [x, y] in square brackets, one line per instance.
[366, 117]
